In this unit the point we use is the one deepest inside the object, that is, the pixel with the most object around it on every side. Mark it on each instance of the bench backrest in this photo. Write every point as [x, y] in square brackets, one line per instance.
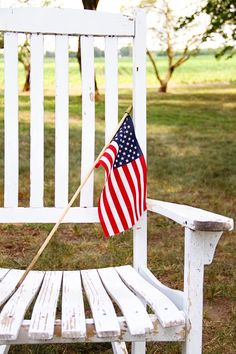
[38, 23]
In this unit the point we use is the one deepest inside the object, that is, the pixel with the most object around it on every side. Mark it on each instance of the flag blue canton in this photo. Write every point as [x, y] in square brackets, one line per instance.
[129, 148]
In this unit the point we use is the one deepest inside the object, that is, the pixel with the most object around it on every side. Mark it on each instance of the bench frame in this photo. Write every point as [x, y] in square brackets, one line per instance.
[202, 229]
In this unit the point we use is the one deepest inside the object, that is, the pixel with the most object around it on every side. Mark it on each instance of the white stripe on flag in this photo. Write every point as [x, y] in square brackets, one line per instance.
[134, 179]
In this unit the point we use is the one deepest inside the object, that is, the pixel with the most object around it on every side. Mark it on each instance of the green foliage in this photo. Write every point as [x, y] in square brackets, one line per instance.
[222, 13]
[126, 51]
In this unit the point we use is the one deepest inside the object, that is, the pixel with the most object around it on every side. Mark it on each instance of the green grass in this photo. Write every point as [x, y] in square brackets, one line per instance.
[191, 159]
[197, 70]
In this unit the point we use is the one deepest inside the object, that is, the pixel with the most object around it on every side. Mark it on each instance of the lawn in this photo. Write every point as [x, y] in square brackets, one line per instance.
[191, 159]
[197, 70]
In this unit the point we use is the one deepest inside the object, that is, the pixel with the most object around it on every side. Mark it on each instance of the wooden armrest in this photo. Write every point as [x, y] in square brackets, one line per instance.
[192, 218]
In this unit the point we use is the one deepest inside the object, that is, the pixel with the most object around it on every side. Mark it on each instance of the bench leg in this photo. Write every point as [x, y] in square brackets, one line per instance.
[199, 251]
[119, 348]
[4, 349]
[138, 348]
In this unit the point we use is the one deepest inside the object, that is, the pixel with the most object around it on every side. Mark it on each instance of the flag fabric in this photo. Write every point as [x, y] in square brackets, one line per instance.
[123, 198]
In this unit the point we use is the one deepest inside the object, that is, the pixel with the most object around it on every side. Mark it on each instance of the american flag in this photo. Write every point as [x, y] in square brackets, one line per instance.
[123, 198]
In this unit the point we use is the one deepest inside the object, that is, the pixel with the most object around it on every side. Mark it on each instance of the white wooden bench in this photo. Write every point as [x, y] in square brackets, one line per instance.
[176, 315]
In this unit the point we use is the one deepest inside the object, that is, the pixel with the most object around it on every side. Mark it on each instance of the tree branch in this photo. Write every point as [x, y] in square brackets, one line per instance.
[154, 66]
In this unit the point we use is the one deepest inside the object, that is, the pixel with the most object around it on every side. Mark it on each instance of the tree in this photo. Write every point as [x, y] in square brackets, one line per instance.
[169, 38]
[222, 21]
[89, 5]
[24, 58]
[1, 40]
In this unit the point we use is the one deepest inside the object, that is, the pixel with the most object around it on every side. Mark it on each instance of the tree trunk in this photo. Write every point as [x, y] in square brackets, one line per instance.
[26, 86]
[163, 87]
[89, 5]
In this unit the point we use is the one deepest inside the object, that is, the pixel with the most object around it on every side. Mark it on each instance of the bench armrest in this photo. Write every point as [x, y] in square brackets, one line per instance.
[192, 218]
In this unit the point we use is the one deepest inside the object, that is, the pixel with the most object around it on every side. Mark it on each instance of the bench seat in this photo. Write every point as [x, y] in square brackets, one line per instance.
[106, 304]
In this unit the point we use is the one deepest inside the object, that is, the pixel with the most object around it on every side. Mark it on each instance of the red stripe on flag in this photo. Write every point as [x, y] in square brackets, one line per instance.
[117, 205]
[132, 187]
[107, 169]
[124, 194]
[103, 224]
[109, 213]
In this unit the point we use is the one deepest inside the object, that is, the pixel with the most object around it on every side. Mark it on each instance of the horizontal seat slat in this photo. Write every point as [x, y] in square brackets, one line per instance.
[8, 284]
[104, 315]
[119, 348]
[133, 310]
[65, 21]
[13, 312]
[73, 316]
[167, 313]
[3, 272]
[4, 349]
[44, 312]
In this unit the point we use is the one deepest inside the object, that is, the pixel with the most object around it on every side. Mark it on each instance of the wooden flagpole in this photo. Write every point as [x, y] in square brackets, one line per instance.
[65, 210]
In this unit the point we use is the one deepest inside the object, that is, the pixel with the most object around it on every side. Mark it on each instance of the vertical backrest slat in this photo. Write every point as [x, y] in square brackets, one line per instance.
[139, 114]
[36, 122]
[61, 121]
[111, 85]
[88, 118]
[11, 163]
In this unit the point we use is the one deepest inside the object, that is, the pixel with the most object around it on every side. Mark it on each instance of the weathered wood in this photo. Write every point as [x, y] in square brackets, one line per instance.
[167, 313]
[44, 312]
[193, 291]
[73, 316]
[193, 218]
[36, 121]
[133, 310]
[8, 283]
[13, 312]
[4, 349]
[104, 315]
[61, 121]
[3, 272]
[65, 21]
[111, 85]
[210, 242]
[11, 146]
[159, 333]
[88, 118]
[139, 116]
[119, 348]
[176, 296]
[48, 215]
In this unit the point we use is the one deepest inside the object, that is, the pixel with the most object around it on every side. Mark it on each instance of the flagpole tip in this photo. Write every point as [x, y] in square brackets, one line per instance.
[129, 110]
